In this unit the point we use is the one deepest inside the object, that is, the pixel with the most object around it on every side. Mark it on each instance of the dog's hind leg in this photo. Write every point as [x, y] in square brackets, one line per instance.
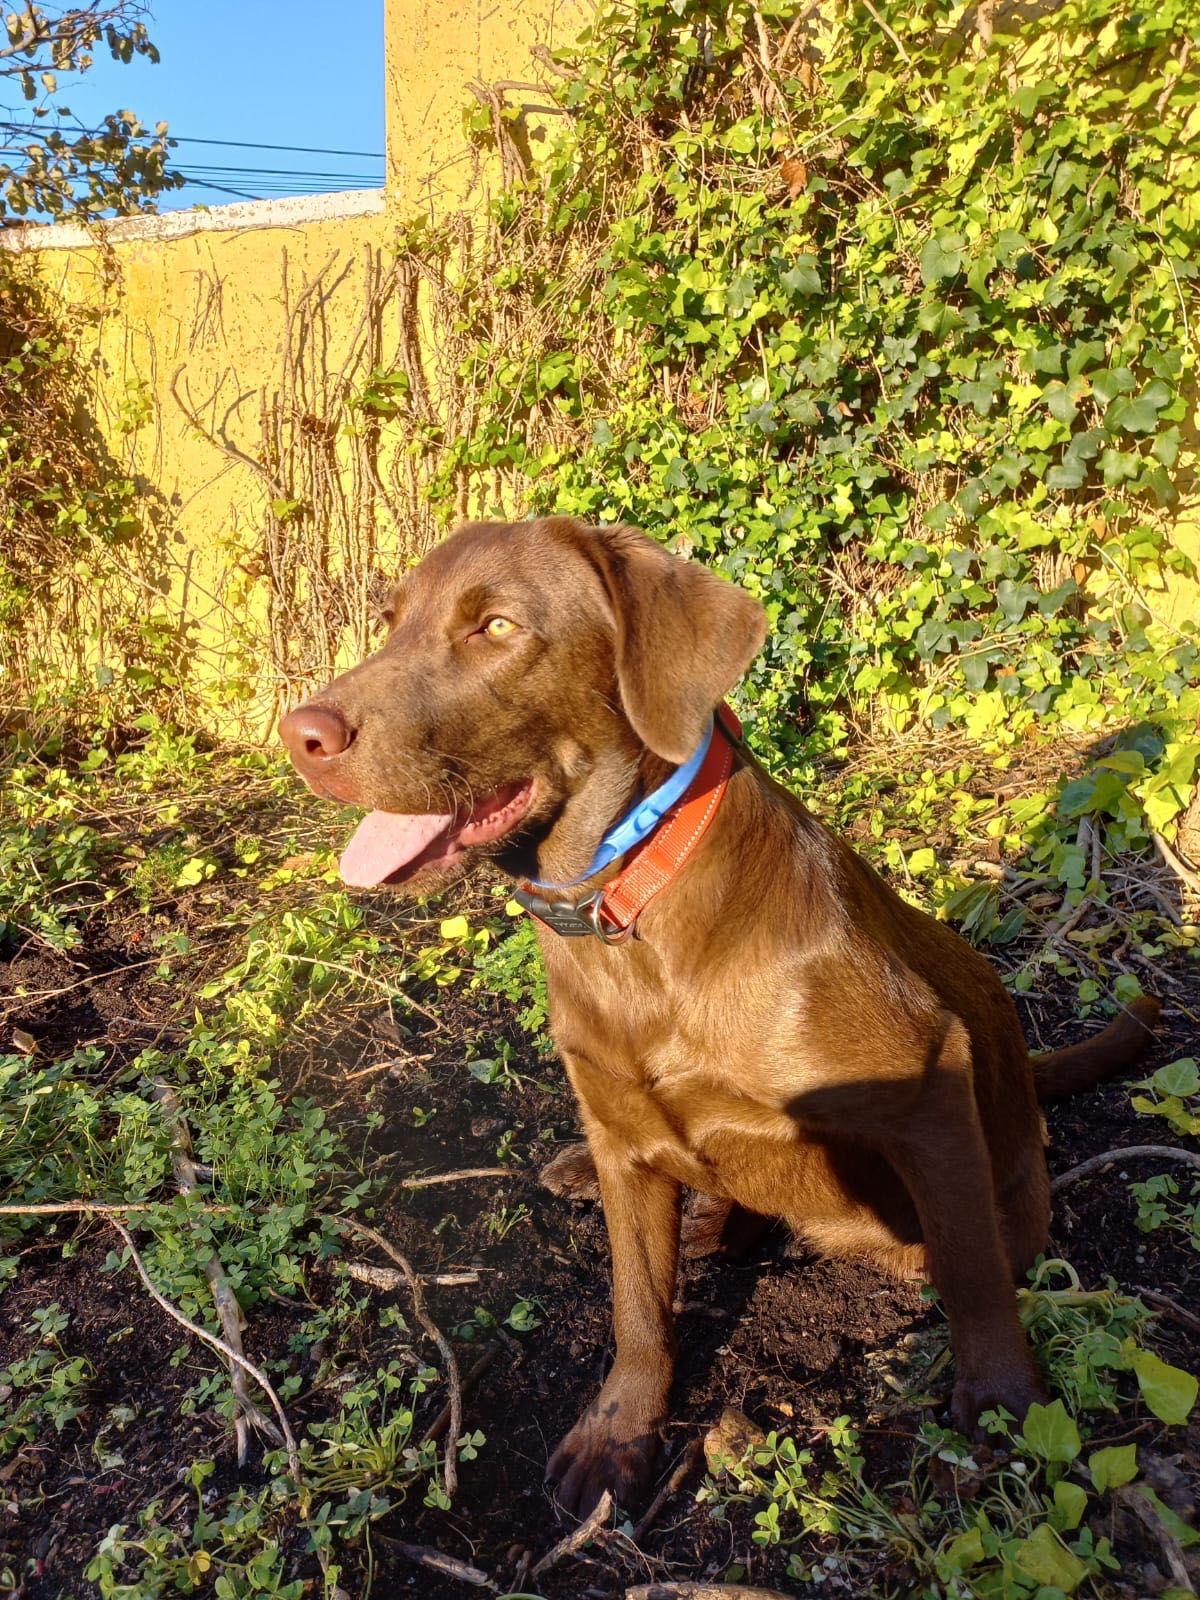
[712, 1227]
[571, 1174]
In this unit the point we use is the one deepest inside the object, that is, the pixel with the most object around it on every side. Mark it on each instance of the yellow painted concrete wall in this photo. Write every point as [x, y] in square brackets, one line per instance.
[433, 57]
[203, 340]
[230, 346]
[237, 339]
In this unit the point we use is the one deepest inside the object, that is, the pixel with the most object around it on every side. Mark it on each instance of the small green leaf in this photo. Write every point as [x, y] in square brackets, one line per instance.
[1180, 1077]
[1168, 1391]
[941, 257]
[1070, 1502]
[963, 1551]
[1044, 1558]
[1050, 1432]
[1133, 416]
[1114, 1465]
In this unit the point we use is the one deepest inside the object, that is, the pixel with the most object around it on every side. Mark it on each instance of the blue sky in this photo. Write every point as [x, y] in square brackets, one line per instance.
[288, 72]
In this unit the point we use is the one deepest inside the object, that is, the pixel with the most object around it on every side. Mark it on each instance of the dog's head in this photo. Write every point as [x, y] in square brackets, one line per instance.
[529, 669]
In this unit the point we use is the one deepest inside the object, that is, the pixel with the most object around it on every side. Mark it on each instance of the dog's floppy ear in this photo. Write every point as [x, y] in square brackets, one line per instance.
[683, 637]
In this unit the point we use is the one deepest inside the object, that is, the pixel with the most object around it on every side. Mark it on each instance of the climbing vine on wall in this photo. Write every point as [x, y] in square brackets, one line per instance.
[81, 537]
[889, 315]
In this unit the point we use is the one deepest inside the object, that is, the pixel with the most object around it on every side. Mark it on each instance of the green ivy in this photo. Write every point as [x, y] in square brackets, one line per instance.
[888, 319]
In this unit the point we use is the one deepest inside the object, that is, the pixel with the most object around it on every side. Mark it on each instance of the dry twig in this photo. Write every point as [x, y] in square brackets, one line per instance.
[424, 1555]
[453, 1380]
[689, 1460]
[1167, 1306]
[701, 1591]
[75, 1208]
[388, 1278]
[441, 1422]
[260, 1377]
[1180, 868]
[457, 1177]
[1129, 1153]
[578, 1537]
[246, 1413]
[1128, 1498]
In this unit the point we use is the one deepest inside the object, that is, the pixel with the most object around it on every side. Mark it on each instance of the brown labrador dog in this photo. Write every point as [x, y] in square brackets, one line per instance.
[784, 1034]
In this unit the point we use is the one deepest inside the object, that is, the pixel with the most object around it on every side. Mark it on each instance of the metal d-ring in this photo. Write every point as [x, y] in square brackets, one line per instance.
[593, 909]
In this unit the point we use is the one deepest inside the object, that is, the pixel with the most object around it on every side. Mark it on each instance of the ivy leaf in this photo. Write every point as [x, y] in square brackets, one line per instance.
[1015, 598]
[975, 671]
[939, 319]
[1044, 1558]
[941, 257]
[963, 1551]
[1180, 1078]
[979, 396]
[1133, 416]
[1113, 1466]
[804, 277]
[1050, 1432]
[1168, 1391]
[1070, 1502]
[1106, 386]
[1059, 402]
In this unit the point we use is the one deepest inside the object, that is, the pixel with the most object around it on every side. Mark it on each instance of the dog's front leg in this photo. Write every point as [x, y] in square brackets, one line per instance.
[613, 1444]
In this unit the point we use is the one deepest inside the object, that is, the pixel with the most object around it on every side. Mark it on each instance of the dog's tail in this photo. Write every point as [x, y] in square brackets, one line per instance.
[1064, 1072]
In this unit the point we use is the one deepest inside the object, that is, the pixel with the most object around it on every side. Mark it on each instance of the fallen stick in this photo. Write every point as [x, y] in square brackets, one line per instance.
[1129, 1153]
[701, 1591]
[1130, 1500]
[388, 989]
[16, 1002]
[1180, 868]
[246, 1414]
[578, 1537]
[1168, 1308]
[389, 1278]
[424, 1555]
[441, 1422]
[64, 1208]
[458, 1177]
[687, 1464]
[260, 1377]
[454, 1382]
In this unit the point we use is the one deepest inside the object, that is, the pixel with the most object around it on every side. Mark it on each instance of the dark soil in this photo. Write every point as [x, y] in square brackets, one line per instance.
[783, 1338]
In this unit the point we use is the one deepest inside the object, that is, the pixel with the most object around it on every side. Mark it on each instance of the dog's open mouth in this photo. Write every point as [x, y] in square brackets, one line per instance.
[387, 847]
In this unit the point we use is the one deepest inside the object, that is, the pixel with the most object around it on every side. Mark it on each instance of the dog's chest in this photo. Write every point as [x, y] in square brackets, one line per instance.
[681, 1086]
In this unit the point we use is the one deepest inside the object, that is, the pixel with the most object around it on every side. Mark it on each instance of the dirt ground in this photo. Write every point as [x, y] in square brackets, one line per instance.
[786, 1339]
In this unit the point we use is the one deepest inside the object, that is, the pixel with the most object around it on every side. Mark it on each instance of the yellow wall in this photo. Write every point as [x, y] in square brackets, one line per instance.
[241, 336]
[222, 335]
[199, 339]
[433, 55]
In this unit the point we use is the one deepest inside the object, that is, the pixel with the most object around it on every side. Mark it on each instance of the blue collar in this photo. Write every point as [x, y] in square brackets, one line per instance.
[641, 822]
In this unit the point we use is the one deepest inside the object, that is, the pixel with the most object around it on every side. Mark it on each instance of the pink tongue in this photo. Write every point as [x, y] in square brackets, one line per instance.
[384, 842]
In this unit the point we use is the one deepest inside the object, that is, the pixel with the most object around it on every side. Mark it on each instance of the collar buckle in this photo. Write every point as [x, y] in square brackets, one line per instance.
[574, 921]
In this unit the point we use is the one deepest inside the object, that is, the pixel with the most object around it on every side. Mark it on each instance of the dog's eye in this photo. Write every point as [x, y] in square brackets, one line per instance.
[499, 627]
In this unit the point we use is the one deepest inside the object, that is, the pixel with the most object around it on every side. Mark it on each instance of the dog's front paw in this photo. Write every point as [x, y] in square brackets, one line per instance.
[571, 1174]
[1015, 1388]
[612, 1446]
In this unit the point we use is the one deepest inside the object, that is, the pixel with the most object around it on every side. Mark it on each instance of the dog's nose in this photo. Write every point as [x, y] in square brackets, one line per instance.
[315, 733]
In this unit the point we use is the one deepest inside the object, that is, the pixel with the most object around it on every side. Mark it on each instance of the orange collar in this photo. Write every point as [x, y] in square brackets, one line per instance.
[611, 913]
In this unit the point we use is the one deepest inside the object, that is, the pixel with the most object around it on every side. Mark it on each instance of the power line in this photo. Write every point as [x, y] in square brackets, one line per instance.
[39, 129]
[281, 179]
[296, 149]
